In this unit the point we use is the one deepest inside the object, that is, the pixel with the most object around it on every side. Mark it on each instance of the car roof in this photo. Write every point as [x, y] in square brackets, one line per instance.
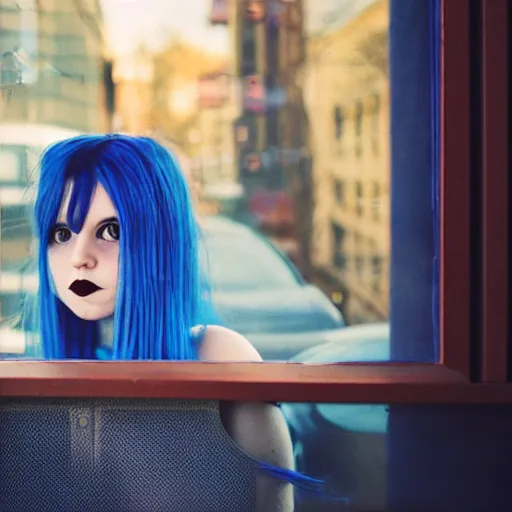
[218, 225]
[222, 225]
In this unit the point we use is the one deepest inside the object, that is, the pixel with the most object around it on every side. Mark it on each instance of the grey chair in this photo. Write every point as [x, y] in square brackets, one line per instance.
[120, 455]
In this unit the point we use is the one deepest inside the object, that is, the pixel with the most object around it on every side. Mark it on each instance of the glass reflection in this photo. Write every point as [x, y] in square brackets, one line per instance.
[278, 111]
[403, 457]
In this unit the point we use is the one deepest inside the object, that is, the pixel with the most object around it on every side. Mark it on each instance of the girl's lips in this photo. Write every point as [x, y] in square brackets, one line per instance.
[84, 287]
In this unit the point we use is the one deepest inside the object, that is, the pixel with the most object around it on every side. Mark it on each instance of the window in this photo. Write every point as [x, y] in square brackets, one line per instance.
[10, 305]
[358, 124]
[359, 198]
[436, 362]
[226, 257]
[375, 122]
[18, 43]
[338, 250]
[359, 118]
[248, 55]
[338, 122]
[376, 266]
[10, 165]
[359, 255]
[339, 192]
[283, 184]
[377, 200]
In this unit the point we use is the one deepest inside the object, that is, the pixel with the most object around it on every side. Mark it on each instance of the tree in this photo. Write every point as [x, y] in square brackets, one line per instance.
[178, 65]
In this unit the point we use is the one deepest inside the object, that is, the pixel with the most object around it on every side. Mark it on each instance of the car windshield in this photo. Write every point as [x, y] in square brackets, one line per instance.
[244, 262]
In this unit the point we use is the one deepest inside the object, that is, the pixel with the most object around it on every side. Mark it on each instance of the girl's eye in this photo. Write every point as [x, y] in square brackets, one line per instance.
[109, 232]
[61, 235]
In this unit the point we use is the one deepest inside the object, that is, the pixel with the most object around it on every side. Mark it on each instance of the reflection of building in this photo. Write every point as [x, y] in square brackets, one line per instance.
[21, 145]
[347, 99]
[51, 70]
[56, 49]
[133, 78]
[218, 106]
[271, 134]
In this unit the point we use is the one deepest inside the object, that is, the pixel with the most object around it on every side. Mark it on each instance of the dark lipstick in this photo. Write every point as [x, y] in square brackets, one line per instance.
[83, 287]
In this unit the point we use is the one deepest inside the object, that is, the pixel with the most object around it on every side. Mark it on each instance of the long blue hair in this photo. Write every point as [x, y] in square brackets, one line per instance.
[159, 290]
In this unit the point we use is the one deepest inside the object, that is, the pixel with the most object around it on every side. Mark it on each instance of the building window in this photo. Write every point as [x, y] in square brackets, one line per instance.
[375, 124]
[358, 254]
[248, 49]
[376, 267]
[338, 250]
[376, 200]
[359, 199]
[338, 122]
[359, 127]
[376, 272]
[339, 192]
[13, 165]
[10, 305]
[272, 50]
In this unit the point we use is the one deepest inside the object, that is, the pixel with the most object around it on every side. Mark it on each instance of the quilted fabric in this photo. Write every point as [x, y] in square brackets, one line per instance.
[120, 455]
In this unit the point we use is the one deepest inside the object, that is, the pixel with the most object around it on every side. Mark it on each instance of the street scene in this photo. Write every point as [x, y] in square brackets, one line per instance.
[278, 112]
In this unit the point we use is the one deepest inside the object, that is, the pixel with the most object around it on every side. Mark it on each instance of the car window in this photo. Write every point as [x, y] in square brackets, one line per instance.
[245, 263]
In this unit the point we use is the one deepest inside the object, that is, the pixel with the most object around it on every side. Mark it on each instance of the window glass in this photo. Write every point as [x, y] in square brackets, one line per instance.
[369, 457]
[389, 458]
[295, 121]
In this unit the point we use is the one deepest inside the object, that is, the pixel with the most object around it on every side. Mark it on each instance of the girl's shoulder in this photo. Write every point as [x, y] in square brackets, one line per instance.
[221, 344]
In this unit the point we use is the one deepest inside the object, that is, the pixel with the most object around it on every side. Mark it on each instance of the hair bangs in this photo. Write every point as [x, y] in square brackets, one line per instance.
[82, 188]
[69, 163]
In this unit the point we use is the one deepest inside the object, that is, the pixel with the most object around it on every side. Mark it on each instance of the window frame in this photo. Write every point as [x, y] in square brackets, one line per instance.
[453, 379]
[495, 192]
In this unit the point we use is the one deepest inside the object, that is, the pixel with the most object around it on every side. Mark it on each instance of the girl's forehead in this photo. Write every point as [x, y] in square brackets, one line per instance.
[101, 206]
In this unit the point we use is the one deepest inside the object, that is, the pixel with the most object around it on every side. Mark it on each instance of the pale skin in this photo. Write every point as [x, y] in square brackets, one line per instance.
[93, 254]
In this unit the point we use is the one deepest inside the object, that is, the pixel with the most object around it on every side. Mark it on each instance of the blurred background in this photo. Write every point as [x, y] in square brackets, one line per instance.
[279, 113]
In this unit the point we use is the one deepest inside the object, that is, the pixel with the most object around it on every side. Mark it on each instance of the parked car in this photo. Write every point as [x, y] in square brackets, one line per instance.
[345, 444]
[258, 292]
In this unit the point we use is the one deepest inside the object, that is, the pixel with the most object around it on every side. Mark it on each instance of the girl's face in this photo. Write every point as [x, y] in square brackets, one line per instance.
[84, 266]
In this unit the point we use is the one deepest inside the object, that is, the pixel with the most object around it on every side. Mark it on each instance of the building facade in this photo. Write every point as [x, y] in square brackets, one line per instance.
[52, 84]
[271, 134]
[347, 101]
[52, 64]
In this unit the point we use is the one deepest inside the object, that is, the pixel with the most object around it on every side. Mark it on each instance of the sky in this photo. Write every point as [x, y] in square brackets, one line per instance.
[131, 23]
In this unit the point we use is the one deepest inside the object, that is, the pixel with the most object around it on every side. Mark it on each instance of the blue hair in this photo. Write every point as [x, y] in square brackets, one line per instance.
[159, 290]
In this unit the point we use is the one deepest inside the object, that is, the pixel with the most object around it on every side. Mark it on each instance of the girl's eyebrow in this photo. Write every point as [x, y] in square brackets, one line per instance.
[61, 224]
[108, 219]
